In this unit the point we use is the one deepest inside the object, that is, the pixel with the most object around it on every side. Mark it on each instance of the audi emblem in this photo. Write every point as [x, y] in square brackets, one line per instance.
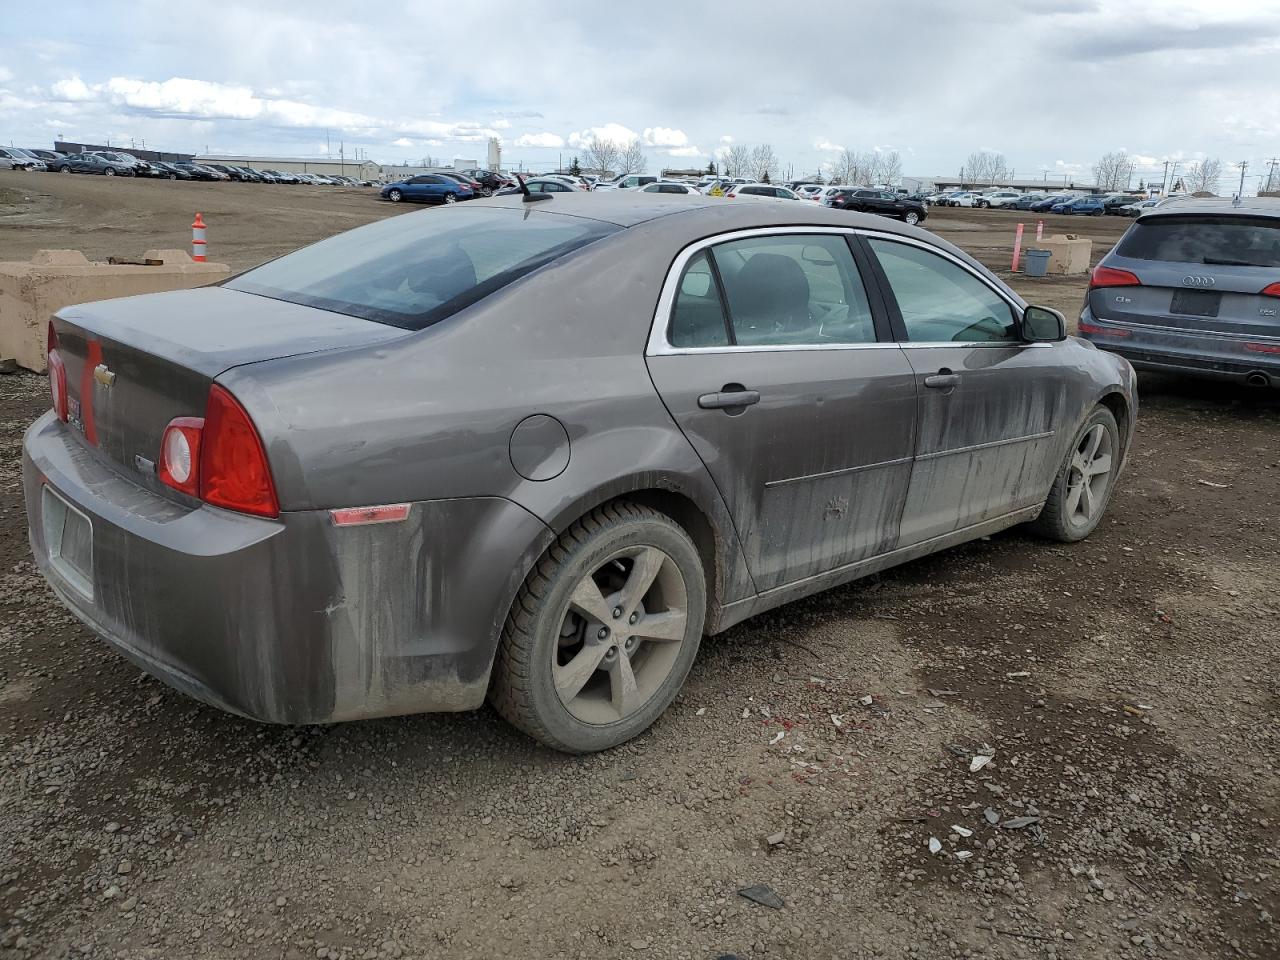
[1198, 281]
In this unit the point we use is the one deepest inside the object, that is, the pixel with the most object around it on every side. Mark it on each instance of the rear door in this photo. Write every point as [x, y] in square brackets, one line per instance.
[1198, 274]
[778, 364]
[990, 405]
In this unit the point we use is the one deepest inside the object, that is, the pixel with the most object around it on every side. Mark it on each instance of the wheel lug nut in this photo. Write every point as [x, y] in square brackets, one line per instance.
[634, 617]
[603, 632]
[617, 612]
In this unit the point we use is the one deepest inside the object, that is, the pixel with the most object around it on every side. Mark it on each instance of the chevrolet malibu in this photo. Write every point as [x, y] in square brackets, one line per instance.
[534, 450]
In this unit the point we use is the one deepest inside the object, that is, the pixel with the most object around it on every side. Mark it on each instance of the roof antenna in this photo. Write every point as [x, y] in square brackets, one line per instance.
[530, 197]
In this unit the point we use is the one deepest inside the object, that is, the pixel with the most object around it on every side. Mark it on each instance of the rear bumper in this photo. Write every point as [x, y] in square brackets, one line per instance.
[291, 620]
[1213, 356]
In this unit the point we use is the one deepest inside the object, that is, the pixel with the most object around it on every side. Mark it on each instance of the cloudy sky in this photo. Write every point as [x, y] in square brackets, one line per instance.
[1052, 84]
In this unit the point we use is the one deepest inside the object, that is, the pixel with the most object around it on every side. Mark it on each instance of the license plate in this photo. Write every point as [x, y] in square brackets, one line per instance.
[1196, 303]
[68, 536]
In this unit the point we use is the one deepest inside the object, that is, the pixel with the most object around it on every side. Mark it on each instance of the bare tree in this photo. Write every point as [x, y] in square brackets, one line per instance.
[985, 167]
[737, 162]
[890, 168]
[632, 158]
[1113, 172]
[602, 156]
[1203, 176]
[842, 168]
[764, 165]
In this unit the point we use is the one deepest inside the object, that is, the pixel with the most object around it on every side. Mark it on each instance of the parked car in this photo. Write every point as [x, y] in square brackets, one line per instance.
[201, 171]
[281, 176]
[881, 202]
[631, 180]
[769, 190]
[540, 185]
[489, 521]
[14, 158]
[1047, 204]
[1086, 206]
[170, 171]
[961, 198]
[997, 198]
[1193, 287]
[48, 156]
[1027, 200]
[1113, 204]
[671, 187]
[427, 188]
[809, 191]
[93, 163]
[489, 180]
[1139, 208]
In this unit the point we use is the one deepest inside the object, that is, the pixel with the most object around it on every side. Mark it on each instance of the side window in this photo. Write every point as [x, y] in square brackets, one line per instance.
[941, 302]
[697, 319]
[794, 290]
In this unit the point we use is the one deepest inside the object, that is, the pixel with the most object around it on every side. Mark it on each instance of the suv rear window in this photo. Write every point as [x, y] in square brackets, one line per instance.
[1223, 240]
[416, 269]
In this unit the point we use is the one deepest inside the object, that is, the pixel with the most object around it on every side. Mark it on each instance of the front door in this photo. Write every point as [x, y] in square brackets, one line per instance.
[785, 380]
[990, 405]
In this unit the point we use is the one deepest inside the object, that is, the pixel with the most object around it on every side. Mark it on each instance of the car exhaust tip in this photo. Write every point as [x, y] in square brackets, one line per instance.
[1257, 379]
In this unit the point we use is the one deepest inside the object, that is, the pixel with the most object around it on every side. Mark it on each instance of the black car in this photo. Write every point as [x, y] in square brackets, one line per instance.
[488, 180]
[233, 173]
[50, 157]
[170, 171]
[201, 171]
[92, 163]
[879, 201]
[1111, 206]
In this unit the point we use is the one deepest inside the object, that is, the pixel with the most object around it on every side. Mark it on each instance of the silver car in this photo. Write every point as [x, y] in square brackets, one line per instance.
[534, 450]
[1193, 287]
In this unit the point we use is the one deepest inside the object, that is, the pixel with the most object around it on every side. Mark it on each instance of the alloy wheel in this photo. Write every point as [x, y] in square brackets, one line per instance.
[621, 635]
[1089, 475]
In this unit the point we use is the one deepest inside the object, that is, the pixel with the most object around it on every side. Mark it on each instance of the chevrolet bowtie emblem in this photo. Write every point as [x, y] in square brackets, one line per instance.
[103, 375]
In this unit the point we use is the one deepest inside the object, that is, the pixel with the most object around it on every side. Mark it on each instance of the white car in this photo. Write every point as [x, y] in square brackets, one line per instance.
[11, 158]
[809, 191]
[961, 199]
[997, 198]
[576, 182]
[767, 191]
[671, 187]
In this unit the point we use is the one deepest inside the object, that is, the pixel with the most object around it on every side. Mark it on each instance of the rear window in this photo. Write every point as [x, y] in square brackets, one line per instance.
[414, 270]
[1223, 240]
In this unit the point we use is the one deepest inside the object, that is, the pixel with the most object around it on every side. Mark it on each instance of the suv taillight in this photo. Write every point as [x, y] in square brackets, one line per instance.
[1271, 290]
[219, 459]
[57, 376]
[1111, 277]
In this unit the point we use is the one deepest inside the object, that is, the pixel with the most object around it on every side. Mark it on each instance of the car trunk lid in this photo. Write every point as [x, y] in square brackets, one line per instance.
[134, 364]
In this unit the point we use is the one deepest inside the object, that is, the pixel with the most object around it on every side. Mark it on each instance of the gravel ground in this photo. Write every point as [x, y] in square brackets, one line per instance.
[1124, 688]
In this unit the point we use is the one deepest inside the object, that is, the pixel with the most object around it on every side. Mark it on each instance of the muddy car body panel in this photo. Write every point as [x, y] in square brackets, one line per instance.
[499, 425]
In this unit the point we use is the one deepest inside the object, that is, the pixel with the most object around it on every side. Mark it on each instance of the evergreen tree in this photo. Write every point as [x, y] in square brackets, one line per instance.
[711, 169]
[574, 168]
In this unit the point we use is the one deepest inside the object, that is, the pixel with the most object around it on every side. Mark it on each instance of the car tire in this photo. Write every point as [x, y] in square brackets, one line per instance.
[982, 204]
[1082, 488]
[450, 198]
[1097, 213]
[64, 170]
[395, 196]
[618, 689]
[486, 192]
[173, 176]
[108, 172]
[911, 218]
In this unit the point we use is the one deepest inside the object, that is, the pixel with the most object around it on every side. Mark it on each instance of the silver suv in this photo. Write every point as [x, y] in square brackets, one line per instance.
[1194, 287]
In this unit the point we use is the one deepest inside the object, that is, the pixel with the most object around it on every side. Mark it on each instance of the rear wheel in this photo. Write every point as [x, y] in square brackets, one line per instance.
[982, 204]
[603, 632]
[395, 196]
[1082, 488]
[64, 169]
[911, 217]
[109, 172]
[450, 198]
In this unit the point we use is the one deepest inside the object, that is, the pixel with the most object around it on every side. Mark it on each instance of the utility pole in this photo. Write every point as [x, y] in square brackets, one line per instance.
[1243, 165]
[1272, 182]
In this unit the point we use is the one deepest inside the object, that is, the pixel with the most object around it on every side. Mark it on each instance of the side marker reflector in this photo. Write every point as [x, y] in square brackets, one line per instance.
[360, 516]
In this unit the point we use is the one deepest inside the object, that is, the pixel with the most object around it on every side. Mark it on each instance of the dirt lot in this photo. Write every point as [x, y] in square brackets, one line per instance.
[1125, 685]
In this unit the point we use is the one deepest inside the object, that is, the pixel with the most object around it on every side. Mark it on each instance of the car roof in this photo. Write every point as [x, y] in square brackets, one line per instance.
[1248, 206]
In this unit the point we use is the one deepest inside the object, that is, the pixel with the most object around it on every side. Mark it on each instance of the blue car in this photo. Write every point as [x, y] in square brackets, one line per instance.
[1063, 206]
[1048, 203]
[427, 188]
[1089, 206]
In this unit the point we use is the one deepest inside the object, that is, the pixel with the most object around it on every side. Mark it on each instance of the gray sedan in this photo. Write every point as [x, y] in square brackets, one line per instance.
[534, 451]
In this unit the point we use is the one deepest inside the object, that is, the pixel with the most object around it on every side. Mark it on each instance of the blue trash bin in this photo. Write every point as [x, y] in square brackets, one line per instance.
[1037, 262]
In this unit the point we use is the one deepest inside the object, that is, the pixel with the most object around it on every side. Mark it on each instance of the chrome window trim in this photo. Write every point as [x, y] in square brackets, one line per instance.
[658, 345]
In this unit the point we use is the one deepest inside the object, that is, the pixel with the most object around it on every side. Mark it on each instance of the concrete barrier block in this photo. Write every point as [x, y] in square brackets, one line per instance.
[32, 291]
[1068, 254]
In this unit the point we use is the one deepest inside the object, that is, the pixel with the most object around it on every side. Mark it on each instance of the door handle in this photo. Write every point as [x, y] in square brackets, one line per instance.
[728, 399]
[944, 379]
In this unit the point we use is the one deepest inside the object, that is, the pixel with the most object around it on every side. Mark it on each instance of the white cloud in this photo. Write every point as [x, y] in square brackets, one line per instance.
[539, 140]
[726, 139]
[664, 137]
[502, 124]
[822, 143]
[402, 142]
[689, 151]
[610, 131]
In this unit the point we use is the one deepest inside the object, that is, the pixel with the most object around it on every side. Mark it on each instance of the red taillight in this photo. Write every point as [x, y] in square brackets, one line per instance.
[1273, 290]
[1111, 277]
[57, 376]
[1098, 331]
[1263, 347]
[180, 455]
[233, 465]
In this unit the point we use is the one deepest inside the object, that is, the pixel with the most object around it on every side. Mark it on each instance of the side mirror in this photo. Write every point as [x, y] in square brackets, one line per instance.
[1043, 325]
